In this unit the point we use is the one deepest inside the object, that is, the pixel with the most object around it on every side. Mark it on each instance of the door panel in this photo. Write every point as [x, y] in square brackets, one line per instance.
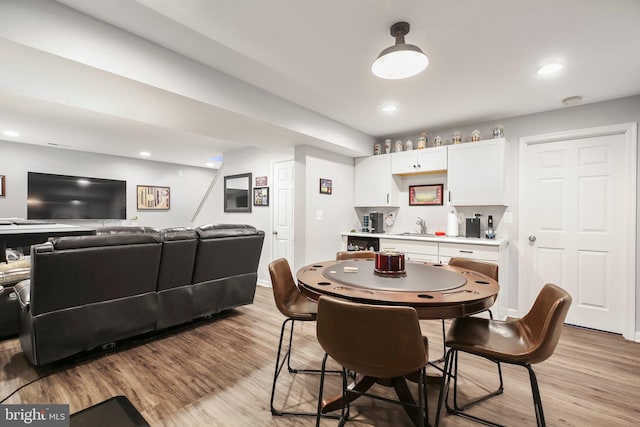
[283, 230]
[570, 214]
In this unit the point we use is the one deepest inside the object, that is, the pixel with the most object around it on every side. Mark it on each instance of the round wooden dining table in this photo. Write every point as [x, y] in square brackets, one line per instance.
[436, 291]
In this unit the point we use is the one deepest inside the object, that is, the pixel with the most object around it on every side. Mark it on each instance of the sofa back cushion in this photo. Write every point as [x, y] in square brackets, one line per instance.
[178, 256]
[78, 270]
[227, 250]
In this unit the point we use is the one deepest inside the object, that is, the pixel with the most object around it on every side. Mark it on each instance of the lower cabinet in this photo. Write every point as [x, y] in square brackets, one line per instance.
[413, 250]
[442, 252]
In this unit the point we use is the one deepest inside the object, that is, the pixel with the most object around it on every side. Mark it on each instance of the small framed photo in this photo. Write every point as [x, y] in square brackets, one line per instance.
[326, 186]
[425, 195]
[261, 196]
[2, 186]
[261, 181]
[153, 198]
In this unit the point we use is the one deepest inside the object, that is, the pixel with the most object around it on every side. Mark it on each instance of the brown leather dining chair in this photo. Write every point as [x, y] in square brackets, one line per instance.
[345, 255]
[525, 341]
[295, 307]
[376, 341]
[489, 269]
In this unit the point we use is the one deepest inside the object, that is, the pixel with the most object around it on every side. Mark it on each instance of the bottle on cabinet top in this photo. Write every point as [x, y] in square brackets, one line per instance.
[422, 141]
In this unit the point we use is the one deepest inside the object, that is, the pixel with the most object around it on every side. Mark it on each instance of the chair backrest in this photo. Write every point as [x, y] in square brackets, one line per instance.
[374, 340]
[284, 287]
[543, 323]
[486, 268]
[355, 255]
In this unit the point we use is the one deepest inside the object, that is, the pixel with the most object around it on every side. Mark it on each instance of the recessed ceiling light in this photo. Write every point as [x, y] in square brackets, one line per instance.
[549, 69]
[11, 133]
[145, 153]
[389, 108]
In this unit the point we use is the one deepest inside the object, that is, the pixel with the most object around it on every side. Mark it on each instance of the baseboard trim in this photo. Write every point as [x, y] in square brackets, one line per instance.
[637, 339]
[264, 283]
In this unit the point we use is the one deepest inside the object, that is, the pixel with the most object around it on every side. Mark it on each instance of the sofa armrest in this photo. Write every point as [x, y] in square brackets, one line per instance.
[23, 291]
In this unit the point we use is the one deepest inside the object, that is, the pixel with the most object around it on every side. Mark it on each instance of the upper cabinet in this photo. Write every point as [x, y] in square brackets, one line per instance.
[419, 161]
[476, 173]
[375, 186]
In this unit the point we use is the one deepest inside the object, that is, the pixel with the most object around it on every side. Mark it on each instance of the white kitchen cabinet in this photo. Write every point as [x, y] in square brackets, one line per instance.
[419, 161]
[447, 251]
[413, 250]
[375, 186]
[476, 173]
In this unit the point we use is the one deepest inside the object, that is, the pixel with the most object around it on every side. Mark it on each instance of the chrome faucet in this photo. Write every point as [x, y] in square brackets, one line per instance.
[423, 225]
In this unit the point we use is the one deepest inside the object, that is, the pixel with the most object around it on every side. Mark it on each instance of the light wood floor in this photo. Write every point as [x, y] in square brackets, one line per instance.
[219, 374]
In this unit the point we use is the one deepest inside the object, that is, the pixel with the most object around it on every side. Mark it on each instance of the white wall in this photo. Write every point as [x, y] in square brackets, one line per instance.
[321, 218]
[188, 184]
[258, 163]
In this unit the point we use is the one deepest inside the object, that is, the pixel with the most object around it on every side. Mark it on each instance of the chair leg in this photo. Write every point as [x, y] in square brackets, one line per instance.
[482, 398]
[477, 400]
[451, 364]
[343, 416]
[280, 362]
[537, 401]
[444, 388]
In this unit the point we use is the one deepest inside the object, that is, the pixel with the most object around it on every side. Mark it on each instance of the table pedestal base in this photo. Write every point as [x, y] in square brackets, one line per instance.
[399, 384]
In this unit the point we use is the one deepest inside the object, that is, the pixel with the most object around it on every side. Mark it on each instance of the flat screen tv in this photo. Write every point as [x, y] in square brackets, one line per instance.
[75, 197]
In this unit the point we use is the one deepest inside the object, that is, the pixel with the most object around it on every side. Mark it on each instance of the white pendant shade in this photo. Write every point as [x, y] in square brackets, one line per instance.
[404, 61]
[400, 60]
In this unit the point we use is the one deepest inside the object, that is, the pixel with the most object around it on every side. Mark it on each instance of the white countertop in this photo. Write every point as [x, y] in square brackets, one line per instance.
[431, 238]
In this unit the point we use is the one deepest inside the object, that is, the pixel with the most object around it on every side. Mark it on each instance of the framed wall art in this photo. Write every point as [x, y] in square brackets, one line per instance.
[261, 196]
[261, 181]
[326, 186]
[153, 198]
[425, 195]
[237, 193]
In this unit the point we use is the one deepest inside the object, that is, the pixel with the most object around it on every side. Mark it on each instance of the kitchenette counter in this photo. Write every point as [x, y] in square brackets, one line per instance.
[430, 238]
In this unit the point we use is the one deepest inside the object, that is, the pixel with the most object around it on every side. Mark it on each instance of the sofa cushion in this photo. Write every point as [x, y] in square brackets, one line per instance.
[212, 231]
[78, 242]
[125, 229]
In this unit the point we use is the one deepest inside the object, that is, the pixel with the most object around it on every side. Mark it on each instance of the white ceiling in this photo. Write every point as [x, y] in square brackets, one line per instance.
[316, 56]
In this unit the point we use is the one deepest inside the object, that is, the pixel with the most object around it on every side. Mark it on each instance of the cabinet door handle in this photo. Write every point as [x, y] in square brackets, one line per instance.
[414, 166]
[387, 198]
[418, 165]
[449, 195]
[466, 252]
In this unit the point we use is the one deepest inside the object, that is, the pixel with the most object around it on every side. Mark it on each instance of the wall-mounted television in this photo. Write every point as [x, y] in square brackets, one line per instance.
[75, 197]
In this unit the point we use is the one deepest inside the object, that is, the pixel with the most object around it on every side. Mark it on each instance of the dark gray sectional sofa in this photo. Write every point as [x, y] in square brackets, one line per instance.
[88, 291]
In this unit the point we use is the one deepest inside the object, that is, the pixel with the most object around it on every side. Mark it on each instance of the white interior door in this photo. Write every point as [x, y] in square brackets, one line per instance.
[576, 228]
[283, 191]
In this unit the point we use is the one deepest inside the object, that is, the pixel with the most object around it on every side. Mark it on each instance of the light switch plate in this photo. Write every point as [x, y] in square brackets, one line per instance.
[319, 215]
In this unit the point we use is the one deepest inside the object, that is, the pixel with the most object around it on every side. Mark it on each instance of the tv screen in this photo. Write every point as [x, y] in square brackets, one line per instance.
[75, 197]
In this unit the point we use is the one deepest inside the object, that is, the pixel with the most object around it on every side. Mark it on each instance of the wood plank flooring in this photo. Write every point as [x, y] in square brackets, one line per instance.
[219, 373]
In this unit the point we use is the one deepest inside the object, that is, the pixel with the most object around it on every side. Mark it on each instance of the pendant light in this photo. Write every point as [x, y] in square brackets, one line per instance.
[400, 60]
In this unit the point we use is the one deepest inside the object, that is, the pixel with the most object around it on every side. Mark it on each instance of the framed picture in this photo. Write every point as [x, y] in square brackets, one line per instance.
[2, 186]
[325, 186]
[261, 181]
[153, 198]
[261, 196]
[425, 195]
[237, 193]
